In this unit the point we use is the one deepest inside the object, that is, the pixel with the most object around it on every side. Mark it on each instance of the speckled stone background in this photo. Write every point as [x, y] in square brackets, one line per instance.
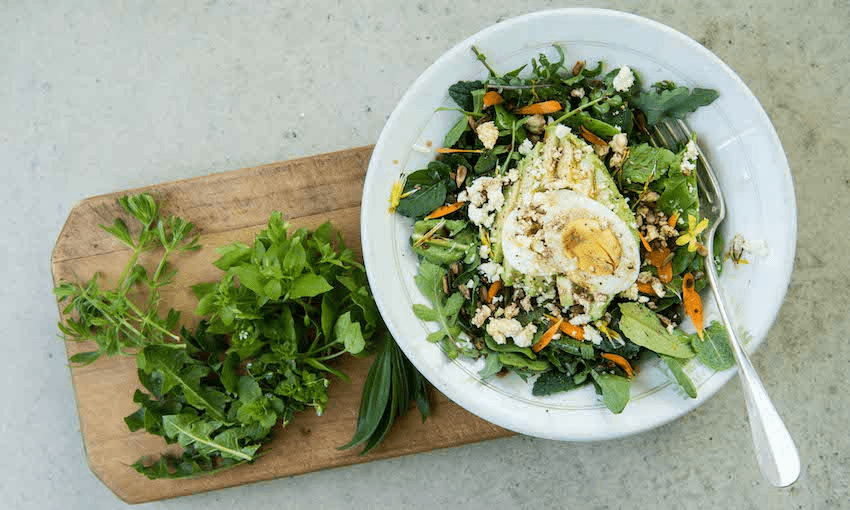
[97, 98]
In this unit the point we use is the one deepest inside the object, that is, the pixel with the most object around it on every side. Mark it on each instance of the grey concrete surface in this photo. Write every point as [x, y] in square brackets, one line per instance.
[103, 96]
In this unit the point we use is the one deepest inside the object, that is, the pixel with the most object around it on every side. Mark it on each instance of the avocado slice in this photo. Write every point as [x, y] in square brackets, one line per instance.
[571, 163]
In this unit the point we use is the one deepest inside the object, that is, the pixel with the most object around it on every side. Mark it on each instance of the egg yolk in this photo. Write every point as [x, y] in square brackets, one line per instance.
[595, 249]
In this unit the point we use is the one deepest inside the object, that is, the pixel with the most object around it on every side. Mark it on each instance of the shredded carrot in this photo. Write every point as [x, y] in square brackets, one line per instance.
[659, 257]
[541, 108]
[492, 98]
[693, 303]
[665, 272]
[568, 329]
[644, 242]
[645, 288]
[495, 287]
[573, 331]
[445, 150]
[547, 336]
[620, 362]
[673, 219]
[591, 138]
[444, 210]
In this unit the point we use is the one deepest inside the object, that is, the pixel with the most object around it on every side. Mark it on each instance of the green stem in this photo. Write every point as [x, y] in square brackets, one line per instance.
[483, 60]
[331, 356]
[127, 269]
[580, 108]
[146, 320]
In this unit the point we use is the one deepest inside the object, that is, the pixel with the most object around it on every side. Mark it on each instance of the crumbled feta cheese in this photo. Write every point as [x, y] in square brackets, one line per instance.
[481, 315]
[691, 152]
[580, 320]
[525, 147]
[488, 133]
[526, 336]
[470, 284]
[511, 311]
[485, 198]
[624, 79]
[491, 271]
[619, 143]
[484, 251]
[658, 288]
[601, 150]
[643, 299]
[462, 196]
[561, 131]
[525, 303]
[578, 93]
[590, 333]
[512, 176]
[501, 329]
[668, 232]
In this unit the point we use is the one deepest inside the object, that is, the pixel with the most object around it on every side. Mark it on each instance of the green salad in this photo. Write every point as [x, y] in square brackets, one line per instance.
[555, 240]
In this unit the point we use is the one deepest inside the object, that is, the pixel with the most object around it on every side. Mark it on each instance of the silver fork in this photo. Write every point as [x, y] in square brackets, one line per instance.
[777, 455]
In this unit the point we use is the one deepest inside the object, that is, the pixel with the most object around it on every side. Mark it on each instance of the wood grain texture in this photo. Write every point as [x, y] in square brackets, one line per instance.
[229, 207]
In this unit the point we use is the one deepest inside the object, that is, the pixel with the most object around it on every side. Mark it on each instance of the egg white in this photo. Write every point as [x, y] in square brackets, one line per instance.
[532, 241]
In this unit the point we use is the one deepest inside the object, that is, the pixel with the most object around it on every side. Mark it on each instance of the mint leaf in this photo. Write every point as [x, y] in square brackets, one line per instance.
[714, 350]
[674, 103]
[642, 326]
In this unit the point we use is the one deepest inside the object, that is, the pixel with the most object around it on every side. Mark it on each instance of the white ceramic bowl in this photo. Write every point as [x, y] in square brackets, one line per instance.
[734, 132]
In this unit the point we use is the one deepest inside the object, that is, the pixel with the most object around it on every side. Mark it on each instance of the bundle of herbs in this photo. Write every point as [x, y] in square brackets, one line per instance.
[284, 311]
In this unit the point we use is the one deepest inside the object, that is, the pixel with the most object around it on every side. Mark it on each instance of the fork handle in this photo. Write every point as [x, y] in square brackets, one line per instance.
[777, 455]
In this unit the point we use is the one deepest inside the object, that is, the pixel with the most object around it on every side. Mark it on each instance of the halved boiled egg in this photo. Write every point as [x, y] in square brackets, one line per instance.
[566, 233]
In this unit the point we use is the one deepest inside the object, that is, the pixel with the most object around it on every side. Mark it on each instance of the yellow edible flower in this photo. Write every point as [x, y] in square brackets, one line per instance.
[694, 230]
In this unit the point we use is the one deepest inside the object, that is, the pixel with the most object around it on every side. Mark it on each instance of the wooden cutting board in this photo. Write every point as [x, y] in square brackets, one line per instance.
[229, 207]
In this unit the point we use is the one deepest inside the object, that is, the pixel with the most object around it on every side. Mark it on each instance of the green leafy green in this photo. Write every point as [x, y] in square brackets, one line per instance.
[674, 103]
[444, 310]
[614, 388]
[713, 349]
[192, 430]
[424, 191]
[108, 316]
[461, 93]
[676, 366]
[553, 381]
[646, 163]
[392, 384]
[642, 326]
